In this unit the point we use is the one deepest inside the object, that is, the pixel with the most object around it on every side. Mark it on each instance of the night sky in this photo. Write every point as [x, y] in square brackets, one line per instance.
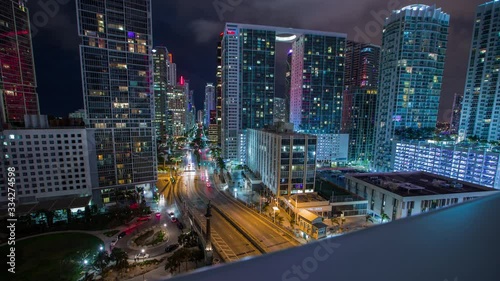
[190, 28]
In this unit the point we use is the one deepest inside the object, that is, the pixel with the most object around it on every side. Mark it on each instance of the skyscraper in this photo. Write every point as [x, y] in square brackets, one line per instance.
[209, 102]
[161, 64]
[360, 98]
[288, 84]
[17, 68]
[480, 115]
[218, 90]
[413, 52]
[177, 110]
[457, 112]
[117, 64]
[248, 81]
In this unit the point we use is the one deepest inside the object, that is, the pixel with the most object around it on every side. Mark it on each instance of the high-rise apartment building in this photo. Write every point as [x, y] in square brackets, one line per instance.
[248, 81]
[413, 52]
[160, 85]
[117, 76]
[210, 100]
[18, 95]
[177, 110]
[480, 116]
[457, 112]
[288, 84]
[218, 90]
[360, 98]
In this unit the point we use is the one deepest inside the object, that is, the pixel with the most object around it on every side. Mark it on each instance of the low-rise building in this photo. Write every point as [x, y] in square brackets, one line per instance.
[49, 163]
[402, 194]
[283, 160]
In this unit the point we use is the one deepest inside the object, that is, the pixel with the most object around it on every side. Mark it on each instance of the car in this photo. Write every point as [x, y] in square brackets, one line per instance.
[171, 214]
[141, 256]
[180, 225]
[171, 248]
[208, 184]
[174, 219]
[121, 235]
[113, 242]
[158, 214]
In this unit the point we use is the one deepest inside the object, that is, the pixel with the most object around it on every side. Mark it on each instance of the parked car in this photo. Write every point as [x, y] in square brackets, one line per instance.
[174, 219]
[121, 235]
[142, 256]
[171, 214]
[180, 225]
[171, 248]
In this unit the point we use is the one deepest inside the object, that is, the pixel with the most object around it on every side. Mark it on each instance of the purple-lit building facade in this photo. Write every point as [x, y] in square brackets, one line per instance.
[18, 95]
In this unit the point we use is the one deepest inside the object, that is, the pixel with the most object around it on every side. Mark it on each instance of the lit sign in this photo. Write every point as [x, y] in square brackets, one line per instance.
[230, 32]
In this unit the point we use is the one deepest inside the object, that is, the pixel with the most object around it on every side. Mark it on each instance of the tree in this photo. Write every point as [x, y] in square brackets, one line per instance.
[188, 239]
[384, 217]
[221, 164]
[172, 264]
[337, 221]
[196, 255]
[280, 220]
[120, 257]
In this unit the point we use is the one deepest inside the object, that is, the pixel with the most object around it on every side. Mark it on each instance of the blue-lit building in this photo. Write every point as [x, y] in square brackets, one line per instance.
[480, 116]
[412, 60]
[474, 163]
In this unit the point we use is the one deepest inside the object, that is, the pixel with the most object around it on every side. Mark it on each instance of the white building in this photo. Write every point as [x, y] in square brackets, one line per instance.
[474, 163]
[332, 148]
[404, 194]
[284, 160]
[49, 163]
[480, 115]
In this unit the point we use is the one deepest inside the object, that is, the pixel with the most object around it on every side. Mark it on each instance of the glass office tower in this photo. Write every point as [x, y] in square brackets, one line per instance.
[248, 81]
[17, 68]
[360, 98]
[480, 116]
[116, 59]
[413, 52]
[160, 63]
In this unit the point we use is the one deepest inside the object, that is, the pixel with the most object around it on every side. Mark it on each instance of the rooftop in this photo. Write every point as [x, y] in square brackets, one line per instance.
[307, 197]
[50, 204]
[409, 184]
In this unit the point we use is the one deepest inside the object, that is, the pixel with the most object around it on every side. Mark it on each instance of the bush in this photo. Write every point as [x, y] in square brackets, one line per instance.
[111, 232]
[140, 240]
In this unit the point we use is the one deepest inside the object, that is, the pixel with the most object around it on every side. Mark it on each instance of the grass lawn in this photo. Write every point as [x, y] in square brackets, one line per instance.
[52, 257]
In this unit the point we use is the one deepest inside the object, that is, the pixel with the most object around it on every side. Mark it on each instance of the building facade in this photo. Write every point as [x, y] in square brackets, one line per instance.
[117, 77]
[457, 112]
[160, 86]
[279, 110]
[398, 195]
[18, 95]
[360, 98]
[49, 162]
[413, 51]
[480, 115]
[177, 110]
[283, 160]
[210, 101]
[218, 89]
[474, 163]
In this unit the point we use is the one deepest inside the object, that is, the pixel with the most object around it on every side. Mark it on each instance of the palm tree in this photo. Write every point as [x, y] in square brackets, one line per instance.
[337, 221]
[280, 220]
[384, 217]
[120, 257]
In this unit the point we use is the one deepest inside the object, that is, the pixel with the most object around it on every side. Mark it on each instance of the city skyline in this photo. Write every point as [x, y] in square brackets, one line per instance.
[60, 51]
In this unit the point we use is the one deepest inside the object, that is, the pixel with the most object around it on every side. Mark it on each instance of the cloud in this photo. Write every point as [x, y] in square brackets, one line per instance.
[206, 30]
